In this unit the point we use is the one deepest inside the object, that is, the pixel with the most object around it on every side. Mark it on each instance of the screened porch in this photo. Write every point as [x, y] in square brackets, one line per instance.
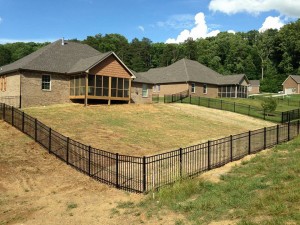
[233, 91]
[100, 87]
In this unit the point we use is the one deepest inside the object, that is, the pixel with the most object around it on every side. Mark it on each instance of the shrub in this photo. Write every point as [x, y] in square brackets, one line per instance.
[269, 105]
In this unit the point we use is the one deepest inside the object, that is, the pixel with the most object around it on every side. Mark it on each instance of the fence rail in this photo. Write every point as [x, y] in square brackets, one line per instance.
[143, 174]
[176, 97]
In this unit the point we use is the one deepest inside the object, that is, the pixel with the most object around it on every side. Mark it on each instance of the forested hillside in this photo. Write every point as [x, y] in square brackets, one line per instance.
[269, 56]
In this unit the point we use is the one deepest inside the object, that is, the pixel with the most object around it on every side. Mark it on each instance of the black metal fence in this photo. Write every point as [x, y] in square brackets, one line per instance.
[143, 174]
[155, 98]
[278, 117]
[176, 97]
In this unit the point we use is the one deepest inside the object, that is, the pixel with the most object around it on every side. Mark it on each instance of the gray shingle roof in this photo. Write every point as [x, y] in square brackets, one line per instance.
[254, 82]
[296, 78]
[71, 57]
[186, 70]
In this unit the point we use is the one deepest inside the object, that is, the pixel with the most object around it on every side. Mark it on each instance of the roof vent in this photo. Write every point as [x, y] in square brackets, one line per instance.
[63, 41]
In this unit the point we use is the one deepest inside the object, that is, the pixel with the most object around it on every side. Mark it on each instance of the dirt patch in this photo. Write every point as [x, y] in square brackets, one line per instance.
[37, 188]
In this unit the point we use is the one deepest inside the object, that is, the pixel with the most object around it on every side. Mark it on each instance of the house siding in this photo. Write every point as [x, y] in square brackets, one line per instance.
[212, 90]
[12, 94]
[290, 83]
[33, 95]
[167, 89]
[254, 90]
[136, 93]
[110, 67]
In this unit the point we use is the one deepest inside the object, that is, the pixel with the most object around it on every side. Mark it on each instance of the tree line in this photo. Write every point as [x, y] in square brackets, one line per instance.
[269, 56]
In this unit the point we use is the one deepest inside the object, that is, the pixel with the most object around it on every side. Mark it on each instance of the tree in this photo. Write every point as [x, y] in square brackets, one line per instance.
[269, 105]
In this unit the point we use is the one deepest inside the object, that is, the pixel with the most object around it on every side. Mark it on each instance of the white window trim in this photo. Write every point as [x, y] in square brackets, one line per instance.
[156, 88]
[50, 82]
[193, 84]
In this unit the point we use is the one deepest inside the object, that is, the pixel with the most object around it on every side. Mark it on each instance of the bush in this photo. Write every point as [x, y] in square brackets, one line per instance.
[269, 105]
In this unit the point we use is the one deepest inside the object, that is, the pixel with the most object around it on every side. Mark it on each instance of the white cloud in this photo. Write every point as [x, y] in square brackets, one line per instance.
[179, 21]
[6, 40]
[231, 31]
[141, 28]
[290, 8]
[200, 30]
[271, 23]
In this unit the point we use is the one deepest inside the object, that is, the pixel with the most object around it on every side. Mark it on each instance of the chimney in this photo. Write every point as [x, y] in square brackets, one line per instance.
[63, 41]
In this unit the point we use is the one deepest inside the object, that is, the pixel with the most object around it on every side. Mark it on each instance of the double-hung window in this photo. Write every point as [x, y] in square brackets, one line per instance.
[46, 82]
[193, 88]
[145, 91]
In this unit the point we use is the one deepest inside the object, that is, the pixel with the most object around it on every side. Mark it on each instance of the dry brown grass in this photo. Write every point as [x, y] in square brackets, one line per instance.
[143, 129]
[36, 188]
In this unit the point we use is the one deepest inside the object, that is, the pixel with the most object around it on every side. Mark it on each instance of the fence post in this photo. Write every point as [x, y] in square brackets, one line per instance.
[89, 168]
[23, 121]
[248, 110]
[172, 98]
[144, 174]
[249, 142]
[180, 97]
[68, 145]
[208, 156]
[289, 127]
[49, 147]
[117, 170]
[264, 114]
[265, 137]
[164, 98]
[281, 117]
[298, 123]
[199, 101]
[233, 106]
[231, 149]
[277, 135]
[4, 106]
[12, 116]
[35, 129]
[180, 161]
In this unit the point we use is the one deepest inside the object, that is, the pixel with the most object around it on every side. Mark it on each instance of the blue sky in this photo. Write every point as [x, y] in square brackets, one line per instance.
[158, 20]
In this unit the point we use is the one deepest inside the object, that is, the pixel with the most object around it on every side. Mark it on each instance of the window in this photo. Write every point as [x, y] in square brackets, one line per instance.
[46, 82]
[3, 83]
[156, 88]
[193, 88]
[145, 91]
[204, 88]
[77, 85]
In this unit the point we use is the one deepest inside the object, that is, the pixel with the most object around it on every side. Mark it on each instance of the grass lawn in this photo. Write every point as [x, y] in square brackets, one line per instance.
[264, 190]
[143, 129]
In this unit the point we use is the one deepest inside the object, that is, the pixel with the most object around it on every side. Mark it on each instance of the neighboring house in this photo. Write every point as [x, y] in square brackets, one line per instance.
[291, 85]
[186, 75]
[253, 87]
[65, 71]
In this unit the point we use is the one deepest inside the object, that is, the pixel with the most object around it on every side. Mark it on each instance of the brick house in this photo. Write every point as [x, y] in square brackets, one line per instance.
[62, 72]
[253, 87]
[291, 85]
[189, 75]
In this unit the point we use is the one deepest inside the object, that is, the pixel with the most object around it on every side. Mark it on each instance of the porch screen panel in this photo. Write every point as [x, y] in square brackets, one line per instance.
[126, 88]
[105, 85]
[91, 85]
[120, 87]
[99, 86]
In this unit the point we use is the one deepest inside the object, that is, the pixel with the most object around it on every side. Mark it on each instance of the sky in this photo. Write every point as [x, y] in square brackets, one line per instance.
[168, 21]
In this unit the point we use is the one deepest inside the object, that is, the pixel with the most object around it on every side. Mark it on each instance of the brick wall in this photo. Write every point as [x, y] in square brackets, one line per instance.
[167, 89]
[12, 94]
[290, 83]
[33, 95]
[212, 90]
[253, 90]
[111, 67]
[136, 93]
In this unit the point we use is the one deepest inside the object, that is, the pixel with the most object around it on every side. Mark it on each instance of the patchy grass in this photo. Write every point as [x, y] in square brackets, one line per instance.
[143, 129]
[264, 190]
